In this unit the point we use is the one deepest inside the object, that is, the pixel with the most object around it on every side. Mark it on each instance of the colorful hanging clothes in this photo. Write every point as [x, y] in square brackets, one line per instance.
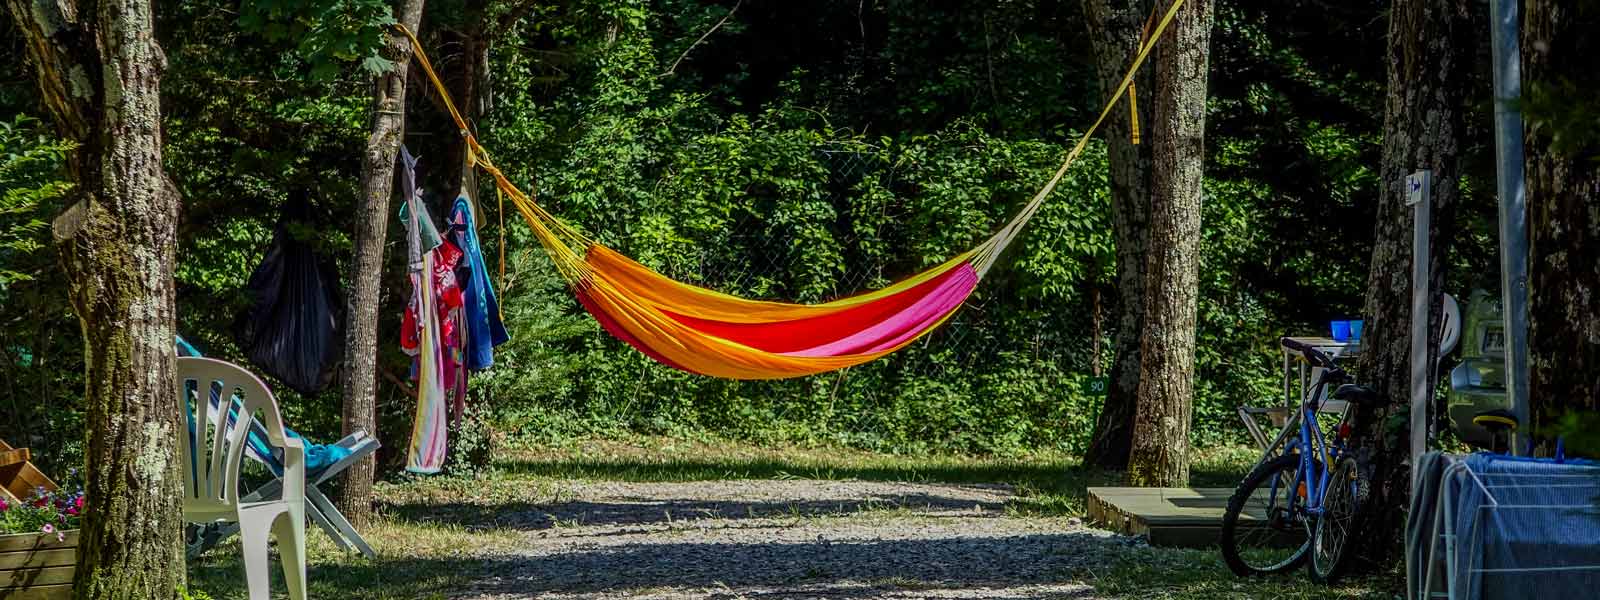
[484, 329]
[421, 331]
[447, 260]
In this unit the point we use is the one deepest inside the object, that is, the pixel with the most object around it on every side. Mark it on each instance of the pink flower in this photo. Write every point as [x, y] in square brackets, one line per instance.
[48, 528]
[4, 506]
[78, 502]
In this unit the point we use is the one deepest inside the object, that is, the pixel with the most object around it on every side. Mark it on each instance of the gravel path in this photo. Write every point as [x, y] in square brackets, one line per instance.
[788, 539]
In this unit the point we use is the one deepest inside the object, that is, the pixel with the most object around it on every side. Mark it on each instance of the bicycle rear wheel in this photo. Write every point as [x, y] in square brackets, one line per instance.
[1334, 527]
[1265, 529]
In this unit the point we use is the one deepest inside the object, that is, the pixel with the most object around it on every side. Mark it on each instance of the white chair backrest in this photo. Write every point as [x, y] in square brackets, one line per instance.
[212, 445]
[1449, 324]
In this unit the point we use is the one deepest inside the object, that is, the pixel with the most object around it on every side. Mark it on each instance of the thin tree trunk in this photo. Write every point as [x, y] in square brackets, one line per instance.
[99, 71]
[1115, 27]
[1563, 184]
[1160, 454]
[1430, 51]
[371, 231]
[468, 81]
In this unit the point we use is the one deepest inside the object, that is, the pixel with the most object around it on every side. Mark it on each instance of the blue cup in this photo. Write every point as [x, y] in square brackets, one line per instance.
[1355, 330]
[1341, 331]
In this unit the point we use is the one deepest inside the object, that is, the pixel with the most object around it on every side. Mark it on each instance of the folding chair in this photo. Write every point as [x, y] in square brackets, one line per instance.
[319, 508]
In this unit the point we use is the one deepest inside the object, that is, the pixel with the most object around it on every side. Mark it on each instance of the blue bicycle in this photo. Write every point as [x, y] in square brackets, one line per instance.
[1300, 502]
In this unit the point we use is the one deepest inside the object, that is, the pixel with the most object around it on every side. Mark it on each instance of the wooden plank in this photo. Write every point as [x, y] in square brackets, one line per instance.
[26, 578]
[60, 591]
[11, 561]
[22, 479]
[1184, 517]
[14, 456]
[37, 541]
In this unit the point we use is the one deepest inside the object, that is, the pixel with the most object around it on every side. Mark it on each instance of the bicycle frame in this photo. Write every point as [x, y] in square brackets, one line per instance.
[1313, 473]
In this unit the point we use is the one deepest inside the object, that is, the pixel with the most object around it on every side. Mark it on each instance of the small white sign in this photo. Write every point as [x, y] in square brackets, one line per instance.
[1417, 186]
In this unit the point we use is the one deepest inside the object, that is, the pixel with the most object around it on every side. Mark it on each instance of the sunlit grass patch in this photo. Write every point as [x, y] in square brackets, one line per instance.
[415, 560]
[1171, 573]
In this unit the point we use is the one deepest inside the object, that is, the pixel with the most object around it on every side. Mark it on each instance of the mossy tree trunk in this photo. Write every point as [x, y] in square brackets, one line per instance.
[1115, 27]
[1431, 49]
[360, 377]
[99, 72]
[1160, 452]
[1562, 163]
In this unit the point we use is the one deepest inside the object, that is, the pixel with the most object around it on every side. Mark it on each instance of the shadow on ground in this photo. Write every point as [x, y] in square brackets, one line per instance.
[665, 511]
[639, 470]
[855, 569]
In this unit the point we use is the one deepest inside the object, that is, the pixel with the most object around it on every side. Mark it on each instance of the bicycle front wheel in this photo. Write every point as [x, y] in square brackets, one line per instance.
[1333, 530]
[1265, 529]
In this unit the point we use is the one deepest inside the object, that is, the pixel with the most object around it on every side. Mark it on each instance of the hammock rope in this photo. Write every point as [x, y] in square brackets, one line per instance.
[707, 332]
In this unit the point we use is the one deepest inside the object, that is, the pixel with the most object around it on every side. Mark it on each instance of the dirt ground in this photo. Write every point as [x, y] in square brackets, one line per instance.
[790, 539]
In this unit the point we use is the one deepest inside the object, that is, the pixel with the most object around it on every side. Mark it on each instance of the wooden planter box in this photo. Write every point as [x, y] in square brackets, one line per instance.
[36, 566]
[18, 477]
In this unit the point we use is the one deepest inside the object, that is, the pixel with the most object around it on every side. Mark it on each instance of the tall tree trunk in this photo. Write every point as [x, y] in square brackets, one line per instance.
[1115, 27]
[467, 79]
[1563, 184]
[99, 72]
[1431, 45]
[366, 276]
[1160, 453]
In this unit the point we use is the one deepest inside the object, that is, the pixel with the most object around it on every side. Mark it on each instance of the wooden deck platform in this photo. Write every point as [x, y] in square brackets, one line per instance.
[1185, 517]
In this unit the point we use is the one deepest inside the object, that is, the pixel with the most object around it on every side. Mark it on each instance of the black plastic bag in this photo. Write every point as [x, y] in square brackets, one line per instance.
[294, 328]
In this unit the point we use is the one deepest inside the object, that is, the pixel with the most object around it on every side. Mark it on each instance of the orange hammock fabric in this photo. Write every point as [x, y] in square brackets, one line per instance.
[711, 333]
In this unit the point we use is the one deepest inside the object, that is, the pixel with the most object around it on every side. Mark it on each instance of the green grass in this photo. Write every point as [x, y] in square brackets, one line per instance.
[1162, 573]
[416, 560]
[435, 536]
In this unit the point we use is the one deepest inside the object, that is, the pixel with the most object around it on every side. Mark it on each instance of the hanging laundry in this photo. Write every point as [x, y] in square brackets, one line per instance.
[447, 260]
[292, 330]
[421, 330]
[484, 328]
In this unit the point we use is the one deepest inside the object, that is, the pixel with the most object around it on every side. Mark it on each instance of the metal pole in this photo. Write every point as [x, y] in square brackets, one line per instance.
[1419, 194]
[1504, 23]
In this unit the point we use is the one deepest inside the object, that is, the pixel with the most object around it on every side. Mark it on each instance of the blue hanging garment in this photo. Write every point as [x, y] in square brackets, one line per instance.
[484, 327]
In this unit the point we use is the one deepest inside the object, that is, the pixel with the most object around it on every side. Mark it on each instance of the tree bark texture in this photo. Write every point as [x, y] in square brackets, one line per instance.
[1430, 49]
[366, 267]
[99, 72]
[1563, 186]
[1160, 453]
[466, 74]
[1115, 27]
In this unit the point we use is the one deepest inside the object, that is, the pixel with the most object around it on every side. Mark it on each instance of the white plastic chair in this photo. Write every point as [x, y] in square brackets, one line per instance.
[212, 449]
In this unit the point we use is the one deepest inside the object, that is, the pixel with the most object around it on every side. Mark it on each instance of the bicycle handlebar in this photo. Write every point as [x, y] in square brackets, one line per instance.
[1313, 355]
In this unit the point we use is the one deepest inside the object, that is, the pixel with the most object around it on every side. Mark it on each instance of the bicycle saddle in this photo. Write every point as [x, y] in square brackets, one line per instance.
[1496, 420]
[1356, 394]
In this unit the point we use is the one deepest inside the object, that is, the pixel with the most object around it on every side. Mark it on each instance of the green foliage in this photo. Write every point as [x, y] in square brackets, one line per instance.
[324, 34]
[804, 151]
[39, 393]
[1579, 432]
[31, 184]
